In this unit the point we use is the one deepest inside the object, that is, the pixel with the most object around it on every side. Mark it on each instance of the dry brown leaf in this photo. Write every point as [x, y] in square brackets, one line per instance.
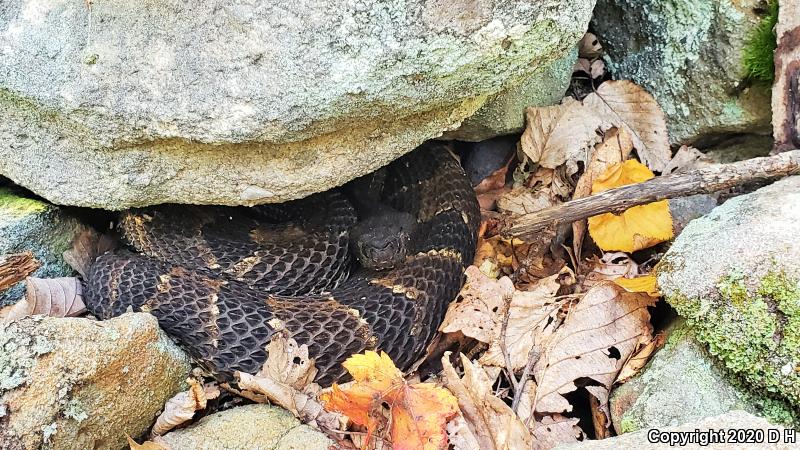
[86, 247]
[561, 134]
[479, 304]
[598, 69]
[589, 46]
[54, 297]
[289, 363]
[493, 424]
[601, 415]
[594, 69]
[531, 320]
[583, 65]
[554, 430]
[288, 383]
[181, 407]
[687, 158]
[634, 365]
[522, 200]
[627, 105]
[16, 267]
[594, 342]
[460, 436]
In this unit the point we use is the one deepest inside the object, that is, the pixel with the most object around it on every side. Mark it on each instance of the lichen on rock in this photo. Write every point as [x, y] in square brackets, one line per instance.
[689, 55]
[77, 383]
[735, 275]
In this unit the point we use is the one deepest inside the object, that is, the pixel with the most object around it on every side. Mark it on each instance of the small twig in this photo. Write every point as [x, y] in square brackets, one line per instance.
[504, 348]
[706, 180]
[533, 357]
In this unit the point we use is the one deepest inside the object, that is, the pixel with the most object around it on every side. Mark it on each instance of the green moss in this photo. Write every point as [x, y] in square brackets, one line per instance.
[759, 50]
[628, 425]
[13, 205]
[754, 328]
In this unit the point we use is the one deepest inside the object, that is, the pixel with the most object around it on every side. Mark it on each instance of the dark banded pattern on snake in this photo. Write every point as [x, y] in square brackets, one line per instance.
[220, 279]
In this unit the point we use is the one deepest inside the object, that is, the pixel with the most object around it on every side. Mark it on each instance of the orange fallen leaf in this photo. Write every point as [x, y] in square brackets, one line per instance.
[419, 412]
[636, 228]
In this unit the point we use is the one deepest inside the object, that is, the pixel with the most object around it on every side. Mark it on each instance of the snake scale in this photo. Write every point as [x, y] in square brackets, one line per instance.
[220, 279]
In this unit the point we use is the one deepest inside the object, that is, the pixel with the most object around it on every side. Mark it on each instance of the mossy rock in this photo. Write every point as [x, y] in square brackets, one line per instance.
[684, 383]
[735, 275]
[30, 224]
[690, 54]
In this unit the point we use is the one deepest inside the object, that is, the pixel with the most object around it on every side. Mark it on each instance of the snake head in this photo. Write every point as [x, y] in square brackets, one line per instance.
[382, 241]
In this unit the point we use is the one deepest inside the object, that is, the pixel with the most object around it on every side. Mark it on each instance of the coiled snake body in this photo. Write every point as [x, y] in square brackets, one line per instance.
[218, 278]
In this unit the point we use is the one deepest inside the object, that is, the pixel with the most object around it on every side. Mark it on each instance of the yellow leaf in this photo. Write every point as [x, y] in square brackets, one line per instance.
[636, 228]
[419, 412]
[646, 284]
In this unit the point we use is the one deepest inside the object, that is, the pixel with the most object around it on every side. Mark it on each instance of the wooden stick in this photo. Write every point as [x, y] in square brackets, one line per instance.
[15, 268]
[706, 180]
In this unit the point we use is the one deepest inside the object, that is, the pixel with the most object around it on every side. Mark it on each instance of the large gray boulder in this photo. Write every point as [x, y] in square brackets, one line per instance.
[121, 104]
[735, 275]
[688, 54]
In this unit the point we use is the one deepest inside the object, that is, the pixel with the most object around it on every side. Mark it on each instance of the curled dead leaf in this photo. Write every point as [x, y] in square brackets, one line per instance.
[285, 379]
[645, 350]
[181, 407]
[491, 421]
[85, 248]
[54, 297]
